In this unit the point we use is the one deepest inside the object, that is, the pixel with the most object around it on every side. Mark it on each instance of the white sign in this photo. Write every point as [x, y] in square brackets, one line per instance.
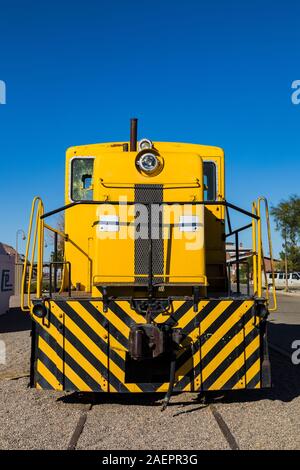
[109, 223]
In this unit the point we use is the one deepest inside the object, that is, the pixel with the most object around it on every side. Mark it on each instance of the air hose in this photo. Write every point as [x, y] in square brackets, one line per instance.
[171, 382]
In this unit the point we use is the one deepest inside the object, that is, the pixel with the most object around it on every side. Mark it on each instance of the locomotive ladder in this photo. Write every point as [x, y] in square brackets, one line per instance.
[259, 267]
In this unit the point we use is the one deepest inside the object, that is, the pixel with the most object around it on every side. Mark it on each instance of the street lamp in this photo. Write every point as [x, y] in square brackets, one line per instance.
[19, 231]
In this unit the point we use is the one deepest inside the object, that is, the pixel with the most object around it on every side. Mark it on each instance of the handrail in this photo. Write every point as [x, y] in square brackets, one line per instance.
[130, 203]
[259, 251]
[188, 185]
[259, 201]
[37, 217]
[37, 210]
[254, 248]
[55, 230]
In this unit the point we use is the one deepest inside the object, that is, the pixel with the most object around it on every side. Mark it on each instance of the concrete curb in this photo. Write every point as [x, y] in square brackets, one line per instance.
[288, 294]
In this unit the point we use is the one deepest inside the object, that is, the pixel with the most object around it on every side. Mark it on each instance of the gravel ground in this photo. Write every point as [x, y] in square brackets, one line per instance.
[31, 419]
[142, 425]
[271, 418]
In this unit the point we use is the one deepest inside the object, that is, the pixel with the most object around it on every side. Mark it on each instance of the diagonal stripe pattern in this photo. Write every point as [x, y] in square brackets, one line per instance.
[79, 347]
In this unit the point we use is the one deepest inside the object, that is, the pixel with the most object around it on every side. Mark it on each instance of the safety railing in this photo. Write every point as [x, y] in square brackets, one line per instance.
[259, 268]
[34, 246]
[150, 277]
[38, 216]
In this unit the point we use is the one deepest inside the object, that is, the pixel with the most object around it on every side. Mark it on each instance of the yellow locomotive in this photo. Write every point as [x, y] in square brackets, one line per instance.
[146, 302]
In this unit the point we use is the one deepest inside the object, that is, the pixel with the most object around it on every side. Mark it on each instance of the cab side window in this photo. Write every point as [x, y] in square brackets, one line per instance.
[210, 181]
[295, 277]
[81, 179]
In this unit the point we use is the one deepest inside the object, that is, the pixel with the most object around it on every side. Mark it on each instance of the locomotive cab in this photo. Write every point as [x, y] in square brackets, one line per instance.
[187, 240]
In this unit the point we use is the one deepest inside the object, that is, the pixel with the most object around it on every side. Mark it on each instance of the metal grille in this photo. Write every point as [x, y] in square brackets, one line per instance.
[149, 194]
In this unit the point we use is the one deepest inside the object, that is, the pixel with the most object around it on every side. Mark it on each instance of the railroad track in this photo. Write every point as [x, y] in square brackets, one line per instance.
[211, 406]
[203, 402]
[79, 427]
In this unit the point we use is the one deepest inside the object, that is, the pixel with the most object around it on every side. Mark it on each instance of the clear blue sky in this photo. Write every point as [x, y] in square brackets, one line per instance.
[211, 72]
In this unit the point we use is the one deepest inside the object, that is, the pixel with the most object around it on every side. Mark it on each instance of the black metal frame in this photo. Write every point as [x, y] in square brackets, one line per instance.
[238, 276]
[54, 264]
[150, 283]
[237, 252]
[130, 203]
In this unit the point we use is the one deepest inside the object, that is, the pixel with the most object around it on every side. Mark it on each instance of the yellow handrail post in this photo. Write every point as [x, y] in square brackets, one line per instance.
[254, 248]
[274, 307]
[40, 250]
[38, 209]
[23, 307]
[265, 275]
[259, 252]
[31, 265]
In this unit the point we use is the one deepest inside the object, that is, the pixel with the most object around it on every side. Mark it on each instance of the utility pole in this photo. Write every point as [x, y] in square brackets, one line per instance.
[286, 263]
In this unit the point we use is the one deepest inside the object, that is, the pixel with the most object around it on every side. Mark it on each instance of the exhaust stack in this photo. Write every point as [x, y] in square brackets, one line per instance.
[133, 134]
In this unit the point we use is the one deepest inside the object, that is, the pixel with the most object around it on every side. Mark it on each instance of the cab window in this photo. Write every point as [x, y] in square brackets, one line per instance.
[81, 179]
[210, 181]
[295, 277]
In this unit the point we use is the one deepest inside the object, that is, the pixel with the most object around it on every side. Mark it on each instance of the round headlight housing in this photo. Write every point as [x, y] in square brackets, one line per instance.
[148, 162]
[40, 310]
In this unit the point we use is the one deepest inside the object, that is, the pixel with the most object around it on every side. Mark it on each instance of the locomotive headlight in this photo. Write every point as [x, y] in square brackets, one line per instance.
[148, 162]
[40, 310]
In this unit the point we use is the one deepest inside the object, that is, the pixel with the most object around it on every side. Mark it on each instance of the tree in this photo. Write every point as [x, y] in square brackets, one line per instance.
[287, 219]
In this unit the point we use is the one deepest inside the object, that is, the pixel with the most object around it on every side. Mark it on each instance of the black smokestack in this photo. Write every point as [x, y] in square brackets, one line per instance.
[133, 134]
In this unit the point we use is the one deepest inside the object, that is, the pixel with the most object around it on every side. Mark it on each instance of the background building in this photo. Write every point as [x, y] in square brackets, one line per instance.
[245, 256]
[7, 275]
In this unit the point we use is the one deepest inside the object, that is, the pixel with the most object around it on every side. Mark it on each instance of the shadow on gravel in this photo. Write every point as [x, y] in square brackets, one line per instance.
[286, 387]
[141, 399]
[15, 320]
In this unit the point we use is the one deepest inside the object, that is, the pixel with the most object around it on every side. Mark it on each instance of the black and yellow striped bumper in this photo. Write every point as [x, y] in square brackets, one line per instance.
[79, 347]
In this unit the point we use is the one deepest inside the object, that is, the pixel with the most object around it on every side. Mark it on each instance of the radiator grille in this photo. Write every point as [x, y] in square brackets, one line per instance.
[149, 194]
